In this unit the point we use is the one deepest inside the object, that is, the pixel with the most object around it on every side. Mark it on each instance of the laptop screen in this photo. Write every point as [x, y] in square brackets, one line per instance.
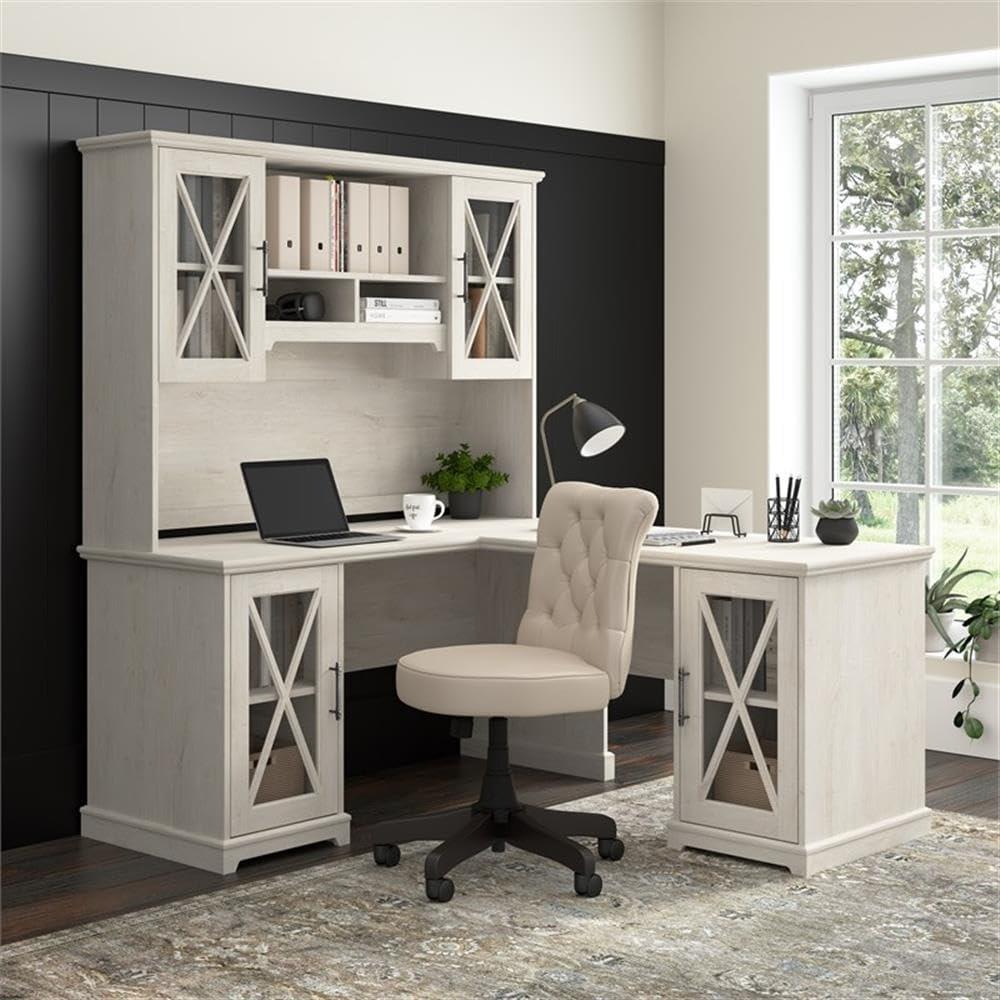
[297, 497]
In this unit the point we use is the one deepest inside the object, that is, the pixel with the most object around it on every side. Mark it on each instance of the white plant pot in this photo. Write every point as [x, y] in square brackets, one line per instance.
[933, 642]
[989, 649]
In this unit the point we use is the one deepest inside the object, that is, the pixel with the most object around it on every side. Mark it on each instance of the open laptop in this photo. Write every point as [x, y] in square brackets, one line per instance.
[295, 502]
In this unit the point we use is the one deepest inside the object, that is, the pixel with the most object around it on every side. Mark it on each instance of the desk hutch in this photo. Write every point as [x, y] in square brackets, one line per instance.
[213, 658]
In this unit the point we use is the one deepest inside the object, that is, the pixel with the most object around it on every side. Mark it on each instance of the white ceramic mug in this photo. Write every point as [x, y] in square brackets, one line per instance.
[421, 510]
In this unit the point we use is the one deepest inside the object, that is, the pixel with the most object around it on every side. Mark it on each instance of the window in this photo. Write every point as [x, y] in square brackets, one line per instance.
[907, 314]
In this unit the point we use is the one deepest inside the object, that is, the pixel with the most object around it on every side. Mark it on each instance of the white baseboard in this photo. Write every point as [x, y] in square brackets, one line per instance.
[810, 858]
[208, 853]
[596, 765]
[942, 675]
[668, 695]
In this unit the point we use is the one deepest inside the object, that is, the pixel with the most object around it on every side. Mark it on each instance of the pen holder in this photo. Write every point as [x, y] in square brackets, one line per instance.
[782, 520]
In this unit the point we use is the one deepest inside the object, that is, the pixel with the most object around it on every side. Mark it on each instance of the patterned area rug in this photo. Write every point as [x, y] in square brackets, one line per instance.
[920, 921]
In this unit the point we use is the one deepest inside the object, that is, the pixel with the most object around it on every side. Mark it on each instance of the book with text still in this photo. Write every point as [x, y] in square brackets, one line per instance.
[400, 315]
[382, 302]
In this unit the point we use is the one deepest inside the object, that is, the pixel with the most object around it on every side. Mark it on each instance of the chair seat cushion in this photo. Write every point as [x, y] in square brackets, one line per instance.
[498, 679]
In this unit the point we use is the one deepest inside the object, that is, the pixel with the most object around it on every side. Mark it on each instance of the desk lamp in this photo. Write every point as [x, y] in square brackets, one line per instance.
[594, 429]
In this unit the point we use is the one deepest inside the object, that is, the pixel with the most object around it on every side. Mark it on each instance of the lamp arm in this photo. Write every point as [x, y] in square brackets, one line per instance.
[571, 398]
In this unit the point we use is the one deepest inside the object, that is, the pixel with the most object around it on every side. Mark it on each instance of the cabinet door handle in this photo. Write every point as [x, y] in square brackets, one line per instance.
[464, 293]
[335, 711]
[263, 287]
[682, 715]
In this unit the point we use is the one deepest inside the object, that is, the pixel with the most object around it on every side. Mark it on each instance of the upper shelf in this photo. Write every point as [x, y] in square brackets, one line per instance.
[413, 279]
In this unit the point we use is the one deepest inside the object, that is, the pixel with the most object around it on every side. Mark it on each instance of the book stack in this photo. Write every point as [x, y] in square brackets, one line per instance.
[378, 309]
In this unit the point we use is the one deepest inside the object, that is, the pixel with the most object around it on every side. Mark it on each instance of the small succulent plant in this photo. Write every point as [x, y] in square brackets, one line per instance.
[835, 510]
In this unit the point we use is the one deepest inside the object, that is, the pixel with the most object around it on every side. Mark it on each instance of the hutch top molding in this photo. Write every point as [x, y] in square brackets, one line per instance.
[191, 367]
[281, 156]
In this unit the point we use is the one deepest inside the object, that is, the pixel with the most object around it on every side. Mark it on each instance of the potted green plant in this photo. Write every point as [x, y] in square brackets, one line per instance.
[941, 601]
[836, 524]
[981, 624]
[464, 478]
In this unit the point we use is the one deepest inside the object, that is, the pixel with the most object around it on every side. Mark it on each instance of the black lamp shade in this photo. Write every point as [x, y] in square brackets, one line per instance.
[594, 428]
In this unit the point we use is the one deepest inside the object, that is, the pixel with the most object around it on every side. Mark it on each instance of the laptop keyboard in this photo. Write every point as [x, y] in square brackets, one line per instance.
[323, 538]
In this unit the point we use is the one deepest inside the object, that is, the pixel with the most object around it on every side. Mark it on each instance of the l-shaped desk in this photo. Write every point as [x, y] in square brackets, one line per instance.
[798, 693]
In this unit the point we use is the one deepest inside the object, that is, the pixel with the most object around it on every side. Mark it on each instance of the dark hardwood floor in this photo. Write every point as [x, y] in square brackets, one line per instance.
[61, 883]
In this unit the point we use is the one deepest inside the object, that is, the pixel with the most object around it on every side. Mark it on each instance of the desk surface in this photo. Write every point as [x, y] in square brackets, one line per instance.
[246, 553]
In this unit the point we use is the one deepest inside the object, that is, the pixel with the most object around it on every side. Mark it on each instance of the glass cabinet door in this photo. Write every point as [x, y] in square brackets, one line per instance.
[493, 306]
[285, 681]
[211, 266]
[736, 703]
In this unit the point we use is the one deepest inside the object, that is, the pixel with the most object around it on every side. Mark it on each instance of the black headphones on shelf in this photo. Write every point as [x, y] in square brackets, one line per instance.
[307, 306]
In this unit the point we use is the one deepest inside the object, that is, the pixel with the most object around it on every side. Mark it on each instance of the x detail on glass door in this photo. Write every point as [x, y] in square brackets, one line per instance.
[490, 272]
[213, 256]
[739, 692]
[283, 690]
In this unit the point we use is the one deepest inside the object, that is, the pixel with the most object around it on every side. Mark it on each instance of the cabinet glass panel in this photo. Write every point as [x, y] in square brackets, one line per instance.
[211, 266]
[283, 660]
[740, 696]
[491, 317]
[739, 623]
[737, 779]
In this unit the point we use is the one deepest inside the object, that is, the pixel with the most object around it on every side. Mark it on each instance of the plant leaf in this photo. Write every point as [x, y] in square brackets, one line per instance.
[958, 688]
[958, 720]
[973, 728]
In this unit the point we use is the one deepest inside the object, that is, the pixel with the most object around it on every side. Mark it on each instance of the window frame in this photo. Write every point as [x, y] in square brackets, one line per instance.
[824, 106]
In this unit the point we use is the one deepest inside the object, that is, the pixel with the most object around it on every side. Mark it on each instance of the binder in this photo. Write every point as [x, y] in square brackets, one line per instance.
[283, 221]
[357, 227]
[378, 228]
[314, 216]
[399, 230]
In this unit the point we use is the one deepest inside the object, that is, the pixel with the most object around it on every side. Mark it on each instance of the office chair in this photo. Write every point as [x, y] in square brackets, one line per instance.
[572, 654]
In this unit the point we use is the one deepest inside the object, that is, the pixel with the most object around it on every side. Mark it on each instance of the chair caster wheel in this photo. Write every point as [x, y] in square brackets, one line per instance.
[499, 845]
[386, 854]
[587, 885]
[610, 848]
[440, 890]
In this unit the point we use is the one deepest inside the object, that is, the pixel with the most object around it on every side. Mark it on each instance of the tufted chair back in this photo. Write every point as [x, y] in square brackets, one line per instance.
[582, 592]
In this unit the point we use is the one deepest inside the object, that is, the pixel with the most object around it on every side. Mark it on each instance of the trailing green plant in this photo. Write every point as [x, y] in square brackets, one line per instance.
[460, 472]
[836, 510]
[940, 597]
[983, 616]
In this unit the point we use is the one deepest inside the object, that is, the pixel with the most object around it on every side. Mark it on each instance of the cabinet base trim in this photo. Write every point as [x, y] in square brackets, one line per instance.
[595, 765]
[212, 854]
[810, 858]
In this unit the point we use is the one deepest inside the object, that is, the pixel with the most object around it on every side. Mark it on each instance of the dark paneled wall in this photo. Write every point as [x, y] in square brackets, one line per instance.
[600, 332]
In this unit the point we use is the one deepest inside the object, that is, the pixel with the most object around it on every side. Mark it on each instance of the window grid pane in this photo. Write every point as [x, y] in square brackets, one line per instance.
[949, 432]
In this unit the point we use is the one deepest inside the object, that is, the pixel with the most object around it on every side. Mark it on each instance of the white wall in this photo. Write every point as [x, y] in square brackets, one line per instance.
[596, 66]
[718, 60]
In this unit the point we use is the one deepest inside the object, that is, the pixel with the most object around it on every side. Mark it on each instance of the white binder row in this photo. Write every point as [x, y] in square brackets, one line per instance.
[305, 222]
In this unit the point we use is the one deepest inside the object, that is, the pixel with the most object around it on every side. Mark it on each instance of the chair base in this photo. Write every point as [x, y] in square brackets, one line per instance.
[498, 818]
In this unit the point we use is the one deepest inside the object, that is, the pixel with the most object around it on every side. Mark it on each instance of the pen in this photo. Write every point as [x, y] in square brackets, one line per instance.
[794, 495]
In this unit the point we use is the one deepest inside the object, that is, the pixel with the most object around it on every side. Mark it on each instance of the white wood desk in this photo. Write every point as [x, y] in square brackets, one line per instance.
[246, 553]
[839, 728]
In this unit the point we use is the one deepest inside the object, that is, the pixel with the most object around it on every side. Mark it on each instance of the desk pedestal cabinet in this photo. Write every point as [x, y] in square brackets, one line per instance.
[184, 759]
[800, 715]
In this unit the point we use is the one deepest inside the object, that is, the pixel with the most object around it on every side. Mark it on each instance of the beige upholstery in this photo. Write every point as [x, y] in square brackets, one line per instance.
[497, 679]
[582, 593]
[574, 644]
